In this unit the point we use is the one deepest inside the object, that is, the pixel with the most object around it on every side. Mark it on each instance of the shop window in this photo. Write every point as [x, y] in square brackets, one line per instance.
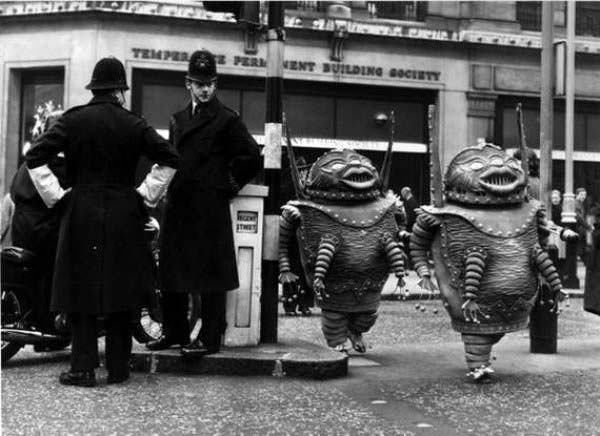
[41, 91]
[253, 111]
[355, 119]
[310, 115]
[405, 11]
[593, 132]
[586, 128]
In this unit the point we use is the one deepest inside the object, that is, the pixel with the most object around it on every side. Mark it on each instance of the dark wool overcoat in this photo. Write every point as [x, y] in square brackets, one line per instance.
[34, 226]
[218, 156]
[103, 263]
[591, 296]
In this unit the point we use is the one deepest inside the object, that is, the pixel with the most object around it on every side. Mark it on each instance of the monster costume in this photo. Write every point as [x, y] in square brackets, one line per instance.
[348, 241]
[486, 243]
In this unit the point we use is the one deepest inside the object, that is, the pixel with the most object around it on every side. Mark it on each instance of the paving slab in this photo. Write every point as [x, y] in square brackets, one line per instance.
[292, 359]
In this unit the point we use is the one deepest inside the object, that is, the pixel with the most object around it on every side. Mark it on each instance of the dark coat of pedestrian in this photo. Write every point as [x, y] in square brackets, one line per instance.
[103, 263]
[591, 296]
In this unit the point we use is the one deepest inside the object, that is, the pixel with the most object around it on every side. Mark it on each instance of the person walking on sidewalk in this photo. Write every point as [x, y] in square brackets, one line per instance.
[103, 265]
[218, 157]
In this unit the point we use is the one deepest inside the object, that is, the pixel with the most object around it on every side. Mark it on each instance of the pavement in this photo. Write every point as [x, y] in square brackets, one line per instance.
[411, 381]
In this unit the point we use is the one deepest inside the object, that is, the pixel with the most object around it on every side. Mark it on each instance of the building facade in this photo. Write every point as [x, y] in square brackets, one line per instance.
[345, 64]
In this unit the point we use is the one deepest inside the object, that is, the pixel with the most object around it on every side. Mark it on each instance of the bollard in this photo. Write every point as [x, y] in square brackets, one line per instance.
[542, 322]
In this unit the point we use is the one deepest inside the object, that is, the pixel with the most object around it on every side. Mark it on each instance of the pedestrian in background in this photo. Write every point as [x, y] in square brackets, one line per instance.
[218, 157]
[591, 296]
[556, 212]
[103, 265]
[410, 205]
[581, 226]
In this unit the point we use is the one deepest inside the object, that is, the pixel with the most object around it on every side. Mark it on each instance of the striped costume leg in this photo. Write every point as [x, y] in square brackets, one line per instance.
[477, 352]
[360, 323]
[335, 327]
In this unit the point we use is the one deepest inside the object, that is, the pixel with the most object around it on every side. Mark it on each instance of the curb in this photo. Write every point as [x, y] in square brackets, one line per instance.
[278, 360]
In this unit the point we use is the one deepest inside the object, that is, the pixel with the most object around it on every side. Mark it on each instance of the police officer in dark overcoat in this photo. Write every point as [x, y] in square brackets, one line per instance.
[103, 265]
[218, 157]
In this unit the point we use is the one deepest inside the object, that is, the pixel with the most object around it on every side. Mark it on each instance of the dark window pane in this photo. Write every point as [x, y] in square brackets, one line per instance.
[160, 101]
[529, 15]
[593, 132]
[310, 115]
[580, 132]
[40, 91]
[253, 111]
[355, 120]
[559, 131]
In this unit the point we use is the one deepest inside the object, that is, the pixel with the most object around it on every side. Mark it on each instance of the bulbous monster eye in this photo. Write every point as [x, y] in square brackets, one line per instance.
[476, 166]
[336, 166]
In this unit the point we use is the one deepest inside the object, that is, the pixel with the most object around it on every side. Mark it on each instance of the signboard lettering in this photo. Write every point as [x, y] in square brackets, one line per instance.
[247, 222]
[333, 68]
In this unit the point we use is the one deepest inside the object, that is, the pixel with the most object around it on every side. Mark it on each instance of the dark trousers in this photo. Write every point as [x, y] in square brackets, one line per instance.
[212, 313]
[84, 351]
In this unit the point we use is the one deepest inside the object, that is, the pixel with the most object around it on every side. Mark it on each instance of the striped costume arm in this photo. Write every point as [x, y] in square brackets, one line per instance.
[420, 241]
[290, 216]
[547, 269]
[327, 249]
[474, 267]
[394, 253]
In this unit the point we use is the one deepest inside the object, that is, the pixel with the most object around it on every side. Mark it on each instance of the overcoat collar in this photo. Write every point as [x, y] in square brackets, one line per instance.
[105, 98]
[190, 123]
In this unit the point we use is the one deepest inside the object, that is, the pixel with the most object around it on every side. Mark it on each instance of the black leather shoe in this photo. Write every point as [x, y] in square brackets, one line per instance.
[197, 348]
[78, 378]
[116, 378]
[163, 343]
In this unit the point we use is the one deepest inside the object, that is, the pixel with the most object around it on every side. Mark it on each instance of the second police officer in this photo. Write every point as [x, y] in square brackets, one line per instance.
[218, 157]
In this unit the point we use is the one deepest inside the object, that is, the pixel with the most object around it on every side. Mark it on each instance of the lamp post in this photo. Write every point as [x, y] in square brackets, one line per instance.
[542, 322]
[272, 172]
[570, 279]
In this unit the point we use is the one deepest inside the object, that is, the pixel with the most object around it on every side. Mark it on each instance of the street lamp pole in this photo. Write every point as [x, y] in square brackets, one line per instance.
[542, 321]
[568, 211]
[547, 104]
[569, 276]
[272, 171]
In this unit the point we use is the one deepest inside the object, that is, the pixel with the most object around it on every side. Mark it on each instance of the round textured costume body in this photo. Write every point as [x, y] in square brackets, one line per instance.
[360, 267]
[506, 239]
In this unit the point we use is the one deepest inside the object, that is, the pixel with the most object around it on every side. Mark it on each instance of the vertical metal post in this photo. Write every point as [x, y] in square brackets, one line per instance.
[272, 165]
[570, 279]
[547, 104]
[568, 211]
[543, 323]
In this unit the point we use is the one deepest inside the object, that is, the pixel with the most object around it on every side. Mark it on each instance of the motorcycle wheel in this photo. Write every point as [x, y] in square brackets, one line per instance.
[149, 326]
[13, 311]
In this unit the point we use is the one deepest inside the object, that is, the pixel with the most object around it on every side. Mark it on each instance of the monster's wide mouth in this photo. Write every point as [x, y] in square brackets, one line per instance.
[500, 181]
[359, 178]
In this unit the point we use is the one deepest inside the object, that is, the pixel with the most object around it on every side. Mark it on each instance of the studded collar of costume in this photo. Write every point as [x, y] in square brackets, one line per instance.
[354, 215]
[502, 222]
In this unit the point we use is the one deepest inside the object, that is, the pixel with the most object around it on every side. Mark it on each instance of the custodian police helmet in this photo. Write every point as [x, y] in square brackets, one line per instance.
[109, 73]
[202, 66]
